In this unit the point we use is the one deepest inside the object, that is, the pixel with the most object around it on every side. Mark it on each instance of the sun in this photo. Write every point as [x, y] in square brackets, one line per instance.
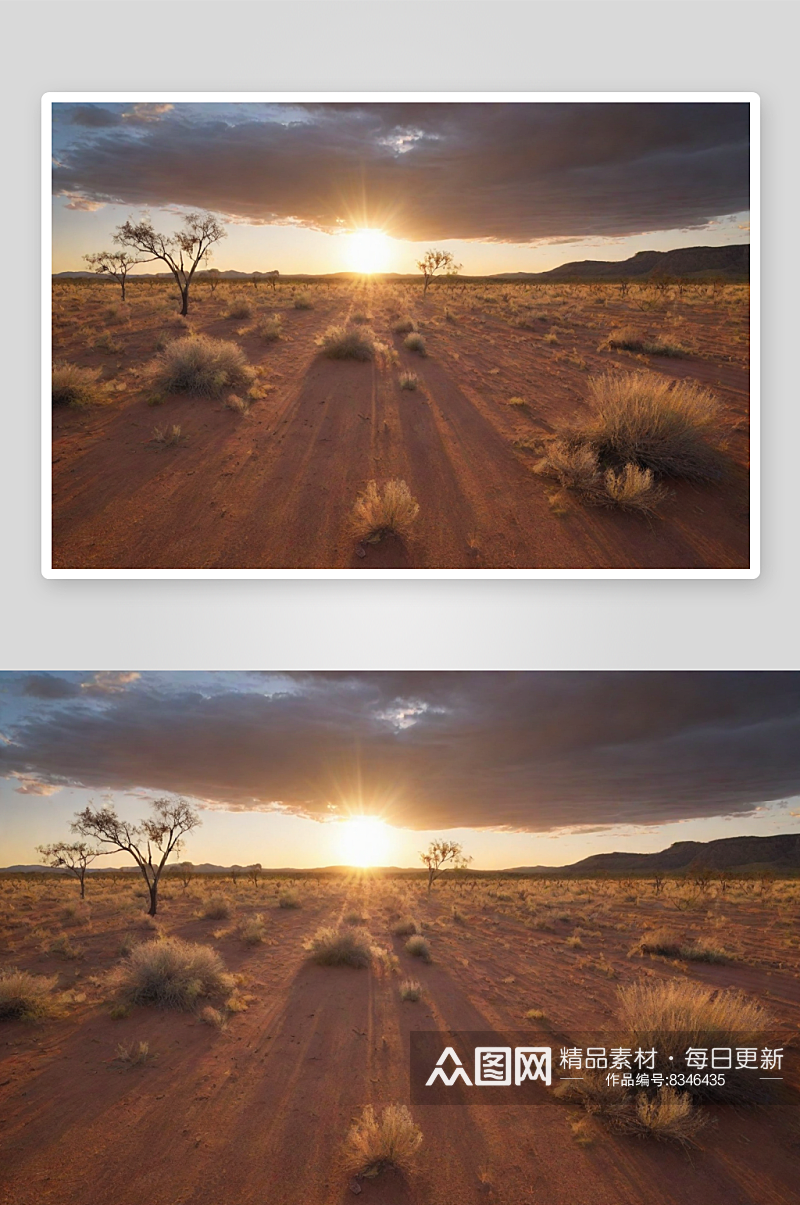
[364, 841]
[368, 251]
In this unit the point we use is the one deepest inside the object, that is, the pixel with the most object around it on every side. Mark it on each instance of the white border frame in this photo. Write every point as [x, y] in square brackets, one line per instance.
[750, 98]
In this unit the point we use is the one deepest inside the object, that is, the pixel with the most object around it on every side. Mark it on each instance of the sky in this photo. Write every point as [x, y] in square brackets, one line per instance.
[365, 768]
[504, 187]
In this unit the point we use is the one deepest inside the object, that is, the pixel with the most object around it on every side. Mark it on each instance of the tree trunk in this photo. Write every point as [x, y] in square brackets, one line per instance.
[83, 885]
[185, 300]
[153, 889]
[123, 288]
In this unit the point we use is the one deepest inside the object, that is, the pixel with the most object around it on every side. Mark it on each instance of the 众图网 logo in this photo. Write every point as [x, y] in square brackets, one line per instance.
[495, 1066]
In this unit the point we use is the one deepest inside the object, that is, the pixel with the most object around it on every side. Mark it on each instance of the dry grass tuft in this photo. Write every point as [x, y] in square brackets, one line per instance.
[171, 973]
[404, 326]
[303, 302]
[270, 329]
[418, 947]
[669, 1116]
[405, 927]
[167, 436]
[217, 908]
[200, 365]
[377, 1142]
[341, 947]
[76, 387]
[240, 307]
[634, 489]
[390, 511]
[346, 343]
[25, 997]
[628, 340]
[289, 899]
[415, 342]
[133, 1054]
[671, 1016]
[410, 990]
[253, 931]
[409, 380]
[665, 426]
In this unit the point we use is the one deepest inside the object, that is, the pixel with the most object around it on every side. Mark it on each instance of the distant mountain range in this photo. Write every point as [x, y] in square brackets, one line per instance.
[779, 853]
[730, 263]
[728, 853]
[683, 262]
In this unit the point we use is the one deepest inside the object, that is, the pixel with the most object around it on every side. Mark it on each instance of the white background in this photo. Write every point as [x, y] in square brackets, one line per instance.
[416, 45]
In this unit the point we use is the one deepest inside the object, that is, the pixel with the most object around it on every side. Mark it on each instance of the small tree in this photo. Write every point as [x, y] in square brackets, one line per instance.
[116, 264]
[150, 843]
[212, 277]
[182, 252]
[434, 262]
[441, 855]
[658, 882]
[254, 873]
[186, 873]
[74, 858]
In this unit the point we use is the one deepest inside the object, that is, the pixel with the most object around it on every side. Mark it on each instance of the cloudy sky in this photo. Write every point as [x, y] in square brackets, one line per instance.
[524, 768]
[504, 186]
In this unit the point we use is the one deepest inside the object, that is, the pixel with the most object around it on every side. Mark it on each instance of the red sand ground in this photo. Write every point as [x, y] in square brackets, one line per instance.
[258, 1112]
[275, 488]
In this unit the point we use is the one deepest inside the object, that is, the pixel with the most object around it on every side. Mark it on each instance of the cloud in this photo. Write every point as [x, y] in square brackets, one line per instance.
[506, 172]
[32, 786]
[109, 682]
[147, 112]
[48, 686]
[82, 203]
[524, 751]
[93, 117]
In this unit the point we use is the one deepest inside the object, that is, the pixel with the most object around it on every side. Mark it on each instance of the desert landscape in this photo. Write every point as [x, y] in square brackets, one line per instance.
[365, 337]
[423, 865]
[251, 1093]
[459, 395]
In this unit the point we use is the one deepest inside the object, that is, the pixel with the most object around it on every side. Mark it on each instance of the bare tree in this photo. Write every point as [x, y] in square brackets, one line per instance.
[434, 262]
[441, 855]
[658, 882]
[116, 264]
[254, 873]
[185, 872]
[182, 252]
[212, 277]
[74, 858]
[150, 843]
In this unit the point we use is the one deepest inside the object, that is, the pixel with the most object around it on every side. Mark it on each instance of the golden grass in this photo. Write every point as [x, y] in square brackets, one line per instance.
[76, 387]
[347, 343]
[418, 947]
[378, 512]
[25, 997]
[171, 973]
[200, 365]
[375, 1142]
[341, 947]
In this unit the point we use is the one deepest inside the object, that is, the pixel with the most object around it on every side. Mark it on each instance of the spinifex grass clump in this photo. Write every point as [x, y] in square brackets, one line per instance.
[25, 997]
[344, 946]
[375, 1142]
[347, 343]
[76, 387]
[388, 511]
[171, 973]
[672, 1016]
[626, 339]
[641, 428]
[202, 366]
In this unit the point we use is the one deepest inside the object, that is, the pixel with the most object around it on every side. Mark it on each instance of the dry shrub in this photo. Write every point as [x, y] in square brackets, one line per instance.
[76, 387]
[303, 302]
[240, 307]
[418, 947]
[405, 927]
[409, 380]
[378, 513]
[360, 317]
[415, 342]
[270, 329]
[203, 366]
[25, 997]
[666, 426]
[253, 930]
[344, 343]
[404, 326]
[627, 339]
[133, 1054]
[410, 990]
[167, 436]
[574, 465]
[171, 973]
[377, 1142]
[634, 489]
[671, 1016]
[341, 947]
[669, 1116]
[217, 908]
[289, 899]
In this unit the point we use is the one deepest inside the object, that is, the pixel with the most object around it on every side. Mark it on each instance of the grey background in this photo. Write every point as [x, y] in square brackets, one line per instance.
[437, 46]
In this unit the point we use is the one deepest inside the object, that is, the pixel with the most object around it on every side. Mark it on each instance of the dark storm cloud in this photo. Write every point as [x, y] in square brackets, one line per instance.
[512, 173]
[48, 686]
[528, 751]
[93, 117]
